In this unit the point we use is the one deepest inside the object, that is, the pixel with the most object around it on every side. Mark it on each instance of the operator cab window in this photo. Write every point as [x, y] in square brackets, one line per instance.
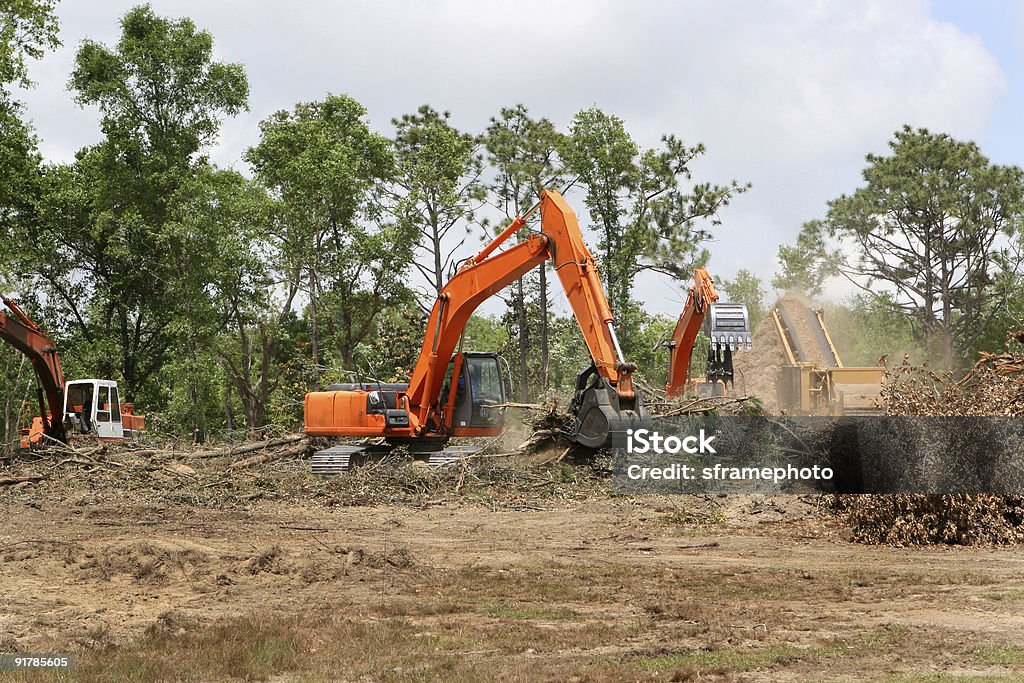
[103, 405]
[487, 389]
[115, 405]
[80, 405]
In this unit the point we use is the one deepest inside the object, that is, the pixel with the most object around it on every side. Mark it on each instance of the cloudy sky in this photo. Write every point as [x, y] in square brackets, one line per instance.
[788, 95]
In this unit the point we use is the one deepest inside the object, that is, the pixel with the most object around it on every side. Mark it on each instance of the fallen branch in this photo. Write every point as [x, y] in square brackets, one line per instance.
[7, 481]
[266, 457]
[542, 407]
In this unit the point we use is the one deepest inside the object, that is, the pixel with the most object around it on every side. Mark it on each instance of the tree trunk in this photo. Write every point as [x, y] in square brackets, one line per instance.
[524, 341]
[543, 327]
[229, 410]
[314, 343]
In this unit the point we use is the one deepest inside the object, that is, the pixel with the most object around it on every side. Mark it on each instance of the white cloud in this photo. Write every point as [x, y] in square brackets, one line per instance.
[787, 94]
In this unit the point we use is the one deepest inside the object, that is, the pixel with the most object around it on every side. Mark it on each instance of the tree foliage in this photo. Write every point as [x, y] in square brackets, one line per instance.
[934, 227]
[324, 164]
[28, 28]
[437, 188]
[747, 289]
[648, 212]
[523, 152]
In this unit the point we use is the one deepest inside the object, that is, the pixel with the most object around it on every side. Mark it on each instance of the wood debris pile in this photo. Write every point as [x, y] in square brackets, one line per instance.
[917, 519]
[993, 386]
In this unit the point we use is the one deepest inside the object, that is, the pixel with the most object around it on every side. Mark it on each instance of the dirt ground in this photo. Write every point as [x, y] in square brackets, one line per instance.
[159, 570]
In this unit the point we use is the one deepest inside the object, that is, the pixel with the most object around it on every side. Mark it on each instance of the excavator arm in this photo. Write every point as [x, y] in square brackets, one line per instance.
[601, 406]
[23, 334]
[729, 330]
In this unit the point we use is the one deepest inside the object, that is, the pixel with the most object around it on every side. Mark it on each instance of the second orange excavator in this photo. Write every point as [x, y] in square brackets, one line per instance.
[455, 393]
[728, 331]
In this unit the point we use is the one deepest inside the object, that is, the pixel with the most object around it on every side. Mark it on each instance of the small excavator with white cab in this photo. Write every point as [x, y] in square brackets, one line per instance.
[66, 409]
[455, 393]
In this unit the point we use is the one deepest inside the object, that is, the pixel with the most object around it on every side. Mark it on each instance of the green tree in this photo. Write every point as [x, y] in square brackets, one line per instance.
[934, 228]
[437, 188]
[523, 153]
[113, 227]
[870, 329]
[649, 214]
[161, 94]
[808, 263]
[325, 165]
[747, 289]
[27, 29]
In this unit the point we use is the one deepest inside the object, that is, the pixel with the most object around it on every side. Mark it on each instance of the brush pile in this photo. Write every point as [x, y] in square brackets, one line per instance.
[915, 519]
[993, 386]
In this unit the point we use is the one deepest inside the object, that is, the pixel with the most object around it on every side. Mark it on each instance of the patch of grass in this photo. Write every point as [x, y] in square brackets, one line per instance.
[506, 611]
[723, 661]
[719, 662]
[1012, 596]
[950, 678]
[1000, 655]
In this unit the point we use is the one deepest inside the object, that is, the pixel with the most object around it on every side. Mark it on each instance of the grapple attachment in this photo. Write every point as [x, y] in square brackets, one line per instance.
[728, 330]
[600, 417]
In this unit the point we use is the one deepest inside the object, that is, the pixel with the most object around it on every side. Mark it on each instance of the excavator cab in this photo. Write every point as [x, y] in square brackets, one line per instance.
[479, 388]
[92, 406]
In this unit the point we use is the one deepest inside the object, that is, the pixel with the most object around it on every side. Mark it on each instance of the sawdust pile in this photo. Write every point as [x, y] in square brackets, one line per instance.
[757, 371]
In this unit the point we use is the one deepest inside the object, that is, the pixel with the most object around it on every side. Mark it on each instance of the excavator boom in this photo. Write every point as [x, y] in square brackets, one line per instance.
[728, 331]
[20, 332]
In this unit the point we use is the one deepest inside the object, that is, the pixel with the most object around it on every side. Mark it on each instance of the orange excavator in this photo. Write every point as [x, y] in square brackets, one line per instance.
[728, 331]
[66, 409]
[454, 393]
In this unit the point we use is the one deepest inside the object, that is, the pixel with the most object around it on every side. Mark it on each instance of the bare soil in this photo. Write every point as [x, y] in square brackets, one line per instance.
[150, 570]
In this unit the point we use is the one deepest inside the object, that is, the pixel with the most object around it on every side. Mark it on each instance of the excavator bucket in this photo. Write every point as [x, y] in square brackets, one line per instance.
[728, 330]
[599, 416]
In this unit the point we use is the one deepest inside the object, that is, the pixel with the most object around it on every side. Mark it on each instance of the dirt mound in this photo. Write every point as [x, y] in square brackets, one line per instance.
[143, 562]
[400, 558]
[757, 371]
[272, 560]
